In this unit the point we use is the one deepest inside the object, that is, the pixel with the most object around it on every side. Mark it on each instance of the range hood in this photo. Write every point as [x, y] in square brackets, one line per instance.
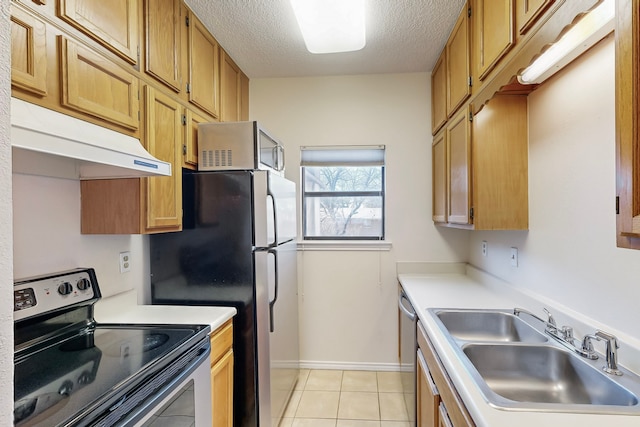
[48, 143]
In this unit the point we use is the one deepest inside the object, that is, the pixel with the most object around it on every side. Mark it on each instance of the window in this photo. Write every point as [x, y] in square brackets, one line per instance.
[343, 192]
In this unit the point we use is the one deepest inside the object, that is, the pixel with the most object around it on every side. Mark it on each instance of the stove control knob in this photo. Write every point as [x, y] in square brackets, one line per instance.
[65, 288]
[83, 284]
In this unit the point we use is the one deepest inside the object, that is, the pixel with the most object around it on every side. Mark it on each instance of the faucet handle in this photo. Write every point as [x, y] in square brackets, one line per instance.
[550, 319]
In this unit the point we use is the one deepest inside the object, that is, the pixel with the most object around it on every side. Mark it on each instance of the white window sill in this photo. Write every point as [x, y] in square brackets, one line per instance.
[344, 245]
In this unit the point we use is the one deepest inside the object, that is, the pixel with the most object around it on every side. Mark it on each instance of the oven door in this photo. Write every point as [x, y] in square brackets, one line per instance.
[184, 401]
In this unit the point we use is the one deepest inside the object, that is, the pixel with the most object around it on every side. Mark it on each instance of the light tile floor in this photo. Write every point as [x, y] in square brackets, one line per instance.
[329, 398]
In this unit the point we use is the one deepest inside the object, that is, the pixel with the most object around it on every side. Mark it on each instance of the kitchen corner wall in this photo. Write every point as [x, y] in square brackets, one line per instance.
[569, 255]
[46, 234]
[6, 258]
[348, 310]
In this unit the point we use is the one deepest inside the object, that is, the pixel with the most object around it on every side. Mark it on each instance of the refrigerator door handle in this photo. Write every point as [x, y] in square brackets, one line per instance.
[275, 217]
[272, 303]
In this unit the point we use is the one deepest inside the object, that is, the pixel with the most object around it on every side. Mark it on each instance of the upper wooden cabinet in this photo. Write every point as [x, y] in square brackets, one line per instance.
[492, 33]
[28, 52]
[439, 177]
[93, 85]
[528, 12]
[627, 127]
[486, 184]
[113, 23]
[162, 36]
[458, 63]
[163, 194]
[231, 89]
[190, 147]
[203, 50]
[439, 93]
[458, 172]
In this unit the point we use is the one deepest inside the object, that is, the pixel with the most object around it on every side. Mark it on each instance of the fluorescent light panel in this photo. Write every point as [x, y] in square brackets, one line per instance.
[331, 26]
[594, 26]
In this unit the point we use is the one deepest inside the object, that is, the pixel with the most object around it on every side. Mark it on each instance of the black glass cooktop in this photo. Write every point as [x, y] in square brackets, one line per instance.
[92, 370]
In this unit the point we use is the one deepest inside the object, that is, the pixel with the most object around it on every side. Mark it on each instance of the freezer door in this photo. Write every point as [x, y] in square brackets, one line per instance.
[275, 209]
[283, 326]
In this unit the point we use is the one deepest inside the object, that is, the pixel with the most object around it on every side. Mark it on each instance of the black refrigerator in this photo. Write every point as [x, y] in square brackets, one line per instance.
[238, 248]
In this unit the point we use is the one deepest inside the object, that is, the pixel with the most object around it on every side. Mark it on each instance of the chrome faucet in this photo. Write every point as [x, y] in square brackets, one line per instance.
[611, 350]
[550, 323]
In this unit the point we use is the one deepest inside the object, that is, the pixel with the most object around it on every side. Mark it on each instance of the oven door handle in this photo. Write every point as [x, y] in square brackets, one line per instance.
[410, 314]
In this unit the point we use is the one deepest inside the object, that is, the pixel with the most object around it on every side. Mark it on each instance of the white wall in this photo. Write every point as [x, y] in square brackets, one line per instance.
[348, 311]
[6, 259]
[46, 231]
[569, 254]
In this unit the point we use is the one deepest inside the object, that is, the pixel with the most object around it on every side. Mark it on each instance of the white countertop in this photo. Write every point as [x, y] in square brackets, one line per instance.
[123, 308]
[458, 290]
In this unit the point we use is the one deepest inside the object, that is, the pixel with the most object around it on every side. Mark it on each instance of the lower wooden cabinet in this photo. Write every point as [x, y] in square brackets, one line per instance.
[439, 404]
[222, 376]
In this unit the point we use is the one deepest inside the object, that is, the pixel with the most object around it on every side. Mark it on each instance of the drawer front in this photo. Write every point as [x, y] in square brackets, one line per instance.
[221, 341]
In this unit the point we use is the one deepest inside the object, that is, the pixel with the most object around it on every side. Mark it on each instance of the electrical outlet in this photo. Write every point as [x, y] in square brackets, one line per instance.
[485, 248]
[514, 257]
[125, 262]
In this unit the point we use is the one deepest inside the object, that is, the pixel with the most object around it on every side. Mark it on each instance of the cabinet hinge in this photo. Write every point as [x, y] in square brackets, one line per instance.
[184, 120]
[186, 20]
[188, 87]
[184, 149]
[469, 12]
[471, 213]
[470, 116]
[470, 81]
[617, 205]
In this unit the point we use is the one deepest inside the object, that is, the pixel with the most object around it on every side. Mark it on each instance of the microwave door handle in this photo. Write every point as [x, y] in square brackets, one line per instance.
[272, 303]
[281, 165]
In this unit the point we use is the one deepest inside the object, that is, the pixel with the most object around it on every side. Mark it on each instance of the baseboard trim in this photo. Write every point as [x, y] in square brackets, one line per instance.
[350, 366]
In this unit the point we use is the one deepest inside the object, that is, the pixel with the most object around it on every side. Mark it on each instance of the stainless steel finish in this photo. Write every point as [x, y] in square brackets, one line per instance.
[522, 372]
[543, 374]
[490, 326]
[611, 351]
[238, 146]
[408, 352]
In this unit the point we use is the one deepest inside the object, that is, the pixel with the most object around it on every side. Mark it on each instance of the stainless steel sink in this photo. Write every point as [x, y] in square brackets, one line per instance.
[516, 366]
[490, 326]
[544, 374]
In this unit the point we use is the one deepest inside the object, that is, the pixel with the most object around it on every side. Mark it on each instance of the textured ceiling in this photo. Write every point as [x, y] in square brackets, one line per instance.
[263, 38]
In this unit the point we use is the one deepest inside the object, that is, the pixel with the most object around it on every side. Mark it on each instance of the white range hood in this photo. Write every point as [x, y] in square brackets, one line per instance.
[49, 143]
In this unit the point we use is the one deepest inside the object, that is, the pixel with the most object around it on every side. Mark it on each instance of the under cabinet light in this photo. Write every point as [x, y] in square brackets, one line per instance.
[591, 28]
[330, 26]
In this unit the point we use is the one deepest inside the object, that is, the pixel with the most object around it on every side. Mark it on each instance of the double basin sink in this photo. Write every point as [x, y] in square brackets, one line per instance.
[517, 366]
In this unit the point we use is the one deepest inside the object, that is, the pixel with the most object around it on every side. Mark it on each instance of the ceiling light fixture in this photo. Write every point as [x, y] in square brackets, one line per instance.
[331, 26]
[589, 30]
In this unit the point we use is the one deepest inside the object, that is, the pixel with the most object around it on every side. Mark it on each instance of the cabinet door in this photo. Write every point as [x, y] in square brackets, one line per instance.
[458, 138]
[439, 93]
[163, 137]
[230, 89]
[190, 148]
[222, 391]
[427, 395]
[439, 178]
[458, 64]
[492, 33]
[113, 23]
[203, 67]
[28, 52]
[93, 85]
[162, 41]
[528, 12]
[244, 95]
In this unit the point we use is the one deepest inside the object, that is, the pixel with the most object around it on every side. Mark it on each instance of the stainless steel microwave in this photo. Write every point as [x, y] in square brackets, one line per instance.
[238, 145]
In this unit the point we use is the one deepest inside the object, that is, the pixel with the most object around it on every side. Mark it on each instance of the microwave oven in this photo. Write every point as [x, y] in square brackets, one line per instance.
[238, 146]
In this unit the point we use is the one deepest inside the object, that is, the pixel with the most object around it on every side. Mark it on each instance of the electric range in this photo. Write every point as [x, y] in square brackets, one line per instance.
[72, 371]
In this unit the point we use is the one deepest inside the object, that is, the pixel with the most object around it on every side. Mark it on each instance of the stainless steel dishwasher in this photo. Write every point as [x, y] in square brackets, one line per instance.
[407, 351]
